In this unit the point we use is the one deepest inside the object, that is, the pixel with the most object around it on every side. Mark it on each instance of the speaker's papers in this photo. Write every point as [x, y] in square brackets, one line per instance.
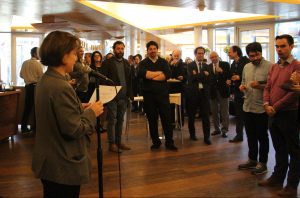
[106, 93]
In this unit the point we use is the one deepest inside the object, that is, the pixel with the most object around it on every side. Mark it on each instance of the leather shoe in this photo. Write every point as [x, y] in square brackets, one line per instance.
[288, 191]
[207, 141]
[26, 130]
[270, 182]
[224, 135]
[155, 146]
[171, 147]
[215, 133]
[124, 147]
[194, 138]
[114, 148]
[235, 140]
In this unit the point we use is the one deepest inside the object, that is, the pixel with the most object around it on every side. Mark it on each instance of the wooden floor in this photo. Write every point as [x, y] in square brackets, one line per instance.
[196, 170]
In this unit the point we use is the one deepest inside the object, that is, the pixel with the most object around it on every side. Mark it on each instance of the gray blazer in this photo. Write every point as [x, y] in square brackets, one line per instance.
[62, 132]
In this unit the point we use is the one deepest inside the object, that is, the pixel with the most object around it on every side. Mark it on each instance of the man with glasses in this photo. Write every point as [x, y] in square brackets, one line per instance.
[253, 83]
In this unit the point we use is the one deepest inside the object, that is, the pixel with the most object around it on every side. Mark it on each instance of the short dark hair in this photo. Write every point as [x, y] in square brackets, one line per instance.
[253, 47]
[107, 55]
[92, 57]
[197, 48]
[288, 37]
[33, 51]
[151, 43]
[118, 43]
[138, 55]
[55, 46]
[238, 50]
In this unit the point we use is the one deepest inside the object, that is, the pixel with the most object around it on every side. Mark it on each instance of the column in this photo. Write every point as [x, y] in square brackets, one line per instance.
[197, 36]
[103, 47]
[143, 44]
[210, 38]
[133, 37]
[162, 48]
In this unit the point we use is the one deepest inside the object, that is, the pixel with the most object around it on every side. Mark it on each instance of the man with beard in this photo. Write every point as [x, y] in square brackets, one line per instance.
[155, 71]
[253, 83]
[281, 107]
[118, 70]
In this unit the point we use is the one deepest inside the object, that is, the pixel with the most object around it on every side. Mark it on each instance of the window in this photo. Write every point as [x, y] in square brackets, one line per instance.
[293, 29]
[258, 35]
[188, 49]
[23, 47]
[5, 57]
[223, 37]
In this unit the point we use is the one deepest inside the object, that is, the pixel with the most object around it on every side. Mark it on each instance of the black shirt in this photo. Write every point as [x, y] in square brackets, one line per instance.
[153, 86]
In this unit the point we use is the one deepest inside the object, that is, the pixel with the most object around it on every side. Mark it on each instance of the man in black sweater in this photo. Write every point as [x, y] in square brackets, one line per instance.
[155, 71]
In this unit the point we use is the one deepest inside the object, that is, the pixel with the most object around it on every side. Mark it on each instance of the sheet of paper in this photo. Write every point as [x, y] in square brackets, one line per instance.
[107, 93]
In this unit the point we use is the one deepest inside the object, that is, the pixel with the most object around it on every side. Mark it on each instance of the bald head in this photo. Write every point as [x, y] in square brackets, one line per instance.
[214, 57]
[176, 54]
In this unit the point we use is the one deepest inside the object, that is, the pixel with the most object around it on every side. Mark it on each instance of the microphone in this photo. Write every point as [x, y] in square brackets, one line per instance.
[100, 76]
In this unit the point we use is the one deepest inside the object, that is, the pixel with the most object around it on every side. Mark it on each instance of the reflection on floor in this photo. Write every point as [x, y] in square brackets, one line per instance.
[196, 170]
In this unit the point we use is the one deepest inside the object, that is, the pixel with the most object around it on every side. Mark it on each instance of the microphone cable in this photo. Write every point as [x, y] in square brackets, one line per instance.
[119, 159]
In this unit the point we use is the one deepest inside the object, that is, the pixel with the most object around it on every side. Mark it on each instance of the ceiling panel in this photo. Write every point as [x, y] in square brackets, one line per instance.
[84, 19]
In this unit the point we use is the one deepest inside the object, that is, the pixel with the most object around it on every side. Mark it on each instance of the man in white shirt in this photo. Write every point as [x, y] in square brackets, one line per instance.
[31, 72]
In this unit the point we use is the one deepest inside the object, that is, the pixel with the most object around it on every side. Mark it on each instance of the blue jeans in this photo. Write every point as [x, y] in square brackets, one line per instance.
[115, 116]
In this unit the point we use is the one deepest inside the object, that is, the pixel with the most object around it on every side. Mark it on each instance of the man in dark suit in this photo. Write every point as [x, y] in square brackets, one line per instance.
[219, 93]
[118, 70]
[236, 71]
[197, 93]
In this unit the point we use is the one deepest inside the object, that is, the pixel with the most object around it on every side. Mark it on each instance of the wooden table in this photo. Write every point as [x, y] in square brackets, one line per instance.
[9, 101]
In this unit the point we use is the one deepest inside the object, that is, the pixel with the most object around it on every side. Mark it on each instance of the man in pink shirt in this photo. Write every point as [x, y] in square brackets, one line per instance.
[282, 107]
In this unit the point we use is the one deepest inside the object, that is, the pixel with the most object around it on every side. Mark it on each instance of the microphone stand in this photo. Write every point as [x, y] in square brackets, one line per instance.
[99, 148]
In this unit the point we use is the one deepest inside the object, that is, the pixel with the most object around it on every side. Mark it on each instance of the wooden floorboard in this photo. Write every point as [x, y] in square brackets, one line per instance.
[196, 170]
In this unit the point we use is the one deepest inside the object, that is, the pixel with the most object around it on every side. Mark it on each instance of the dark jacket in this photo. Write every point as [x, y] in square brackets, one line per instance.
[109, 70]
[218, 80]
[177, 70]
[237, 69]
[195, 79]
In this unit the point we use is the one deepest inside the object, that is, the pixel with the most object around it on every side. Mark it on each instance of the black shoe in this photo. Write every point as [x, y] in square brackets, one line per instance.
[236, 140]
[193, 138]
[207, 141]
[26, 130]
[155, 146]
[215, 133]
[224, 135]
[171, 147]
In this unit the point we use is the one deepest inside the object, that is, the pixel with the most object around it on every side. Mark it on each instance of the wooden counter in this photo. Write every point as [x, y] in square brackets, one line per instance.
[9, 102]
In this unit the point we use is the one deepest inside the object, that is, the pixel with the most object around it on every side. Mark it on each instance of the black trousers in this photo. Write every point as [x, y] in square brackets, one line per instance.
[155, 104]
[256, 125]
[239, 127]
[195, 100]
[55, 190]
[285, 136]
[29, 105]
